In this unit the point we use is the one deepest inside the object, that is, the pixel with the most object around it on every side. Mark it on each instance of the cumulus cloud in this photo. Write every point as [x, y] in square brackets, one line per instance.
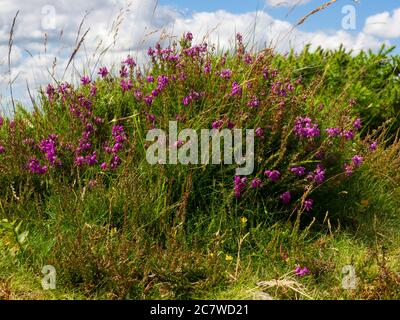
[45, 36]
[384, 24]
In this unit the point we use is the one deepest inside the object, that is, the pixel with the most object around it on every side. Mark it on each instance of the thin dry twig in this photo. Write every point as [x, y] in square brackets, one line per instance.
[10, 44]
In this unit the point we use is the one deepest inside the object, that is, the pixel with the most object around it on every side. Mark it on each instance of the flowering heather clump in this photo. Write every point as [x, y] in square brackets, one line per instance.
[236, 89]
[189, 83]
[300, 171]
[357, 161]
[35, 167]
[301, 272]
[286, 197]
[226, 73]
[333, 132]
[103, 72]
[308, 204]
[274, 175]
[256, 183]
[259, 132]
[372, 146]
[304, 128]
[240, 185]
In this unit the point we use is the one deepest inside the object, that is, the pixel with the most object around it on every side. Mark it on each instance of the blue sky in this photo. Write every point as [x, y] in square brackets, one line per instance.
[328, 19]
[46, 31]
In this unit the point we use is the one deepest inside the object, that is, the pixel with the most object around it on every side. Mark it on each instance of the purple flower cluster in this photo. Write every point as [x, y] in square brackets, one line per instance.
[304, 128]
[35, 167]
[318, 176]
[308, 204]
[299, 170]
[103, 71]
[253, 102]
[239, 185]
[48, 147]
[256, 183]
[285, 197]
[273, 175]
[301, 272]
[226, 73]
[236, 89]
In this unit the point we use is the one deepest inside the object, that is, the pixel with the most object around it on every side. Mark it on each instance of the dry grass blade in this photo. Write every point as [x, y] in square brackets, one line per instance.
[10, 44]
[76, 50]
[285, 283]
[320, 8]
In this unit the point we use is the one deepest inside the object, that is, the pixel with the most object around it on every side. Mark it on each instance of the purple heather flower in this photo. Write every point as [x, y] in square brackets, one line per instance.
[148, 100]
[2, 149]
[300, 171]
[286, 197]
[217, 124]
[357, 161]
[91, 159]
[319, 174]
[187, 100]
[308, 203]
[150, 78]
[373, 146]
[274, 175]
[265, 73]
[114, 162]
[255, 183]
[301, 271]
[98, 120]
[123, 72]
[236, 89]
[189, 36]
[1, 121]
[239, 37]
[253, 102]
[103, 71]
[126, 85]
[248, 59]
[226, 73]
[150, 52]
[93, 90]
[85, 80]
[259, 132]
[239, 185]
[207, 67]
[357, 124]
[348, 134]
[50, 90]
[35, 167]
[103, 166]
[117, 130]
[79, 161]
[348, 169]
[230, 124]
[130, 61]
[304, 128]
[333, 132]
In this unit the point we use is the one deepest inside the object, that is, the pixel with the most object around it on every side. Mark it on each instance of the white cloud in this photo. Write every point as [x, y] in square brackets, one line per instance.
[141, 26]
[286, 3]
[384, 24]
